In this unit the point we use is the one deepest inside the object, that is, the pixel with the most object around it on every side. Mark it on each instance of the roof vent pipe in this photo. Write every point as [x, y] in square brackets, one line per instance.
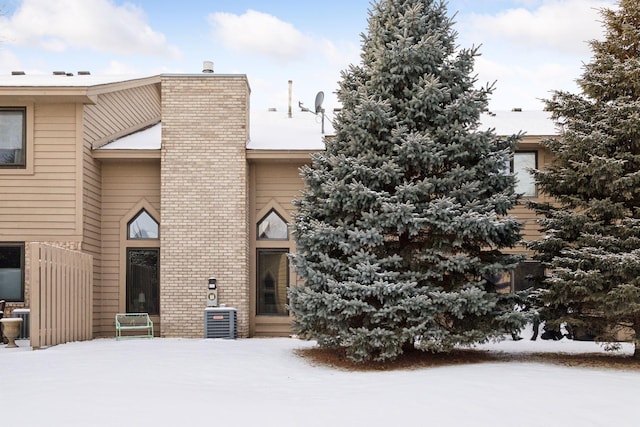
[290, 93]
[207, 67]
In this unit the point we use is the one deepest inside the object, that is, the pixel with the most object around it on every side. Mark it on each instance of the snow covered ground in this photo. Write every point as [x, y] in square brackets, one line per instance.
[261, 382]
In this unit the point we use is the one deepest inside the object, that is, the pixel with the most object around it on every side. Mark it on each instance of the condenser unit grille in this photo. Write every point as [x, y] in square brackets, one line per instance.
[220, 323]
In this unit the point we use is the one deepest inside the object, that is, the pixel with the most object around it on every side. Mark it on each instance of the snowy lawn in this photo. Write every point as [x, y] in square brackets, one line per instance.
[262, 382]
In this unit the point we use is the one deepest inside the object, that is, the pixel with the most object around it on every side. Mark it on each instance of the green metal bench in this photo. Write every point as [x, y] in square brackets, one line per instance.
[138, 322]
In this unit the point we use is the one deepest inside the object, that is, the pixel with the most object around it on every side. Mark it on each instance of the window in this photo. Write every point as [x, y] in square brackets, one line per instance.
[143, 284]
[272, 227]
[527, 274]
[12, 272]
[12, 137]
[273, 282]
[501, 282]
[142, 226]
[523, 163]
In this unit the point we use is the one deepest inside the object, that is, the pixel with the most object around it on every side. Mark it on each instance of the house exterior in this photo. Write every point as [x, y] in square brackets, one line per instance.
[167, 182]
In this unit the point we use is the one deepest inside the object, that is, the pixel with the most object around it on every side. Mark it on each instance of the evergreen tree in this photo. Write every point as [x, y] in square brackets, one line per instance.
[592, 241]
[404, 215]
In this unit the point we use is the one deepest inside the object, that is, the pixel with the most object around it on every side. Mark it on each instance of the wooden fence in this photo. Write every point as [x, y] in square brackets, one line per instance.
[61, 293]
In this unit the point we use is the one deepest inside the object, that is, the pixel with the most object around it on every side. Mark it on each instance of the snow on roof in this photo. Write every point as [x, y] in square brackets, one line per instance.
[75, 80]
[536, 123]
[275, 130]
[146, 139]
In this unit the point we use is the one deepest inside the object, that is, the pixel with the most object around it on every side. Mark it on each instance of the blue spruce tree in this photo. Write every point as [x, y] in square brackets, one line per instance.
[404, 215]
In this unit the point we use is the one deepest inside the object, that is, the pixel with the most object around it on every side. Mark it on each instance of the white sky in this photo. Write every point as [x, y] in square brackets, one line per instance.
[261, 382]
[529, 47]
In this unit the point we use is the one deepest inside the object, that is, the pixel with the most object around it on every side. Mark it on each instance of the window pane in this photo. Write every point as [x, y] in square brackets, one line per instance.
[12, 137]
[272, 227]
[143, 285]
[11, 273]
[143, 226]
[522, 164]
[273, 282]
[528, 274]
[501, 282]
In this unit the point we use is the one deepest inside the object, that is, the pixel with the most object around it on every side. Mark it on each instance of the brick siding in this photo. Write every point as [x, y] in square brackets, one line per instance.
[204, 200]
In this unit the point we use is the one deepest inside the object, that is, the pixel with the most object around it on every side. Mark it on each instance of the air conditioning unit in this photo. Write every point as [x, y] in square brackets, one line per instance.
[22, 313]
[220, 322]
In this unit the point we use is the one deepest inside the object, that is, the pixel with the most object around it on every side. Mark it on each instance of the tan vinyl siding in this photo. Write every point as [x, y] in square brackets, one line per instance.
[125, 185]
[119, 113]
[44, 205]
[91, 223]
[115, 114]
[276, 185]
[277, 181]
[530, 230]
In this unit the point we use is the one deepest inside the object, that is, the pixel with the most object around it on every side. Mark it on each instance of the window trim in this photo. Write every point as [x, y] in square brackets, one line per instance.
[27, 168]
[21, 245]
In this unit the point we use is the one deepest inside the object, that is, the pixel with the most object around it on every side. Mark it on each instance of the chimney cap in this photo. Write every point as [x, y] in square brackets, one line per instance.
[207, 66]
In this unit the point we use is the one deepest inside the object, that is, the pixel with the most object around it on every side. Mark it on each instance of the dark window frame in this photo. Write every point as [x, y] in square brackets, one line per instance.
[259, 308]
[20, 245]
[128, 301]
[135, 217]
[264, 217]
[23, 163]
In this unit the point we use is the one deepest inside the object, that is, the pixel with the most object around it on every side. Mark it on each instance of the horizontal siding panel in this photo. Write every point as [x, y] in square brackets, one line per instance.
[66, 158]
[51, 167]
[45, 203]
[20, 205]
[36, 219]
[57, 143]
[56, 126]
[37, 234]
[53, 134]
[21, 197]
[279, 182]
[36, 188]
[41, 179]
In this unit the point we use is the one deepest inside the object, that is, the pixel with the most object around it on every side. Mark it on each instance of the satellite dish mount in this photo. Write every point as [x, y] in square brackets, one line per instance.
[318, 107]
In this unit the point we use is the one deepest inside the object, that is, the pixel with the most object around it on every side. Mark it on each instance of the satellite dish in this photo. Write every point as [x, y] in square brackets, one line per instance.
[319, 99]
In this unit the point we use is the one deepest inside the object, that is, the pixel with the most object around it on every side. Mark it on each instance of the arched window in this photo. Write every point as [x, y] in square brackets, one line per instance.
[272, 227]
[143, 226]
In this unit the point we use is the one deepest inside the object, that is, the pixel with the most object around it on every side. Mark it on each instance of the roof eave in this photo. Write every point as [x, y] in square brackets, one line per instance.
[117, 154]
